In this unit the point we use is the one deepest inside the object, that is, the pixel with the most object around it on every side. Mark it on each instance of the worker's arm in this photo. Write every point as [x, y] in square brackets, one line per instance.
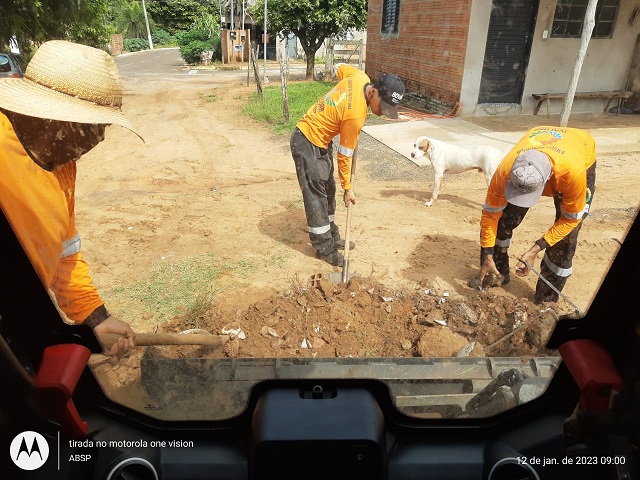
[493, 207]
[79, 300]
[349, 131]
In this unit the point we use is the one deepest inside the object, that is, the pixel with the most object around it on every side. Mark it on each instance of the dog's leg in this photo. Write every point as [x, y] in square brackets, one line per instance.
[487, 174]
[437, 178]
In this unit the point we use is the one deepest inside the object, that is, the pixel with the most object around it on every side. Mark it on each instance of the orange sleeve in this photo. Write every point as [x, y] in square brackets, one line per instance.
[494, 204]
[75, 292]
[349, 131]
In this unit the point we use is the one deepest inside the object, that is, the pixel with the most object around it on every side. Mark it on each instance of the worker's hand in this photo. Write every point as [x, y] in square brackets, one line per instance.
[522, 269]
[488, 267]
[349, 197]
[115, 325]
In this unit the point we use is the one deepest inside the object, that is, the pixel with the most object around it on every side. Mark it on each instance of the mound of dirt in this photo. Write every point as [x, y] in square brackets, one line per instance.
[363, 319]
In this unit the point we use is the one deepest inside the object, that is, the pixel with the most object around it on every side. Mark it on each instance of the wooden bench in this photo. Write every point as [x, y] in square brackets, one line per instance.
[619, 95]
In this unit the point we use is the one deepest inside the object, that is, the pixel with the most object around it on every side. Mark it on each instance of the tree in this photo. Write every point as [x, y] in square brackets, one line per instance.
[312, 21]
[33, 22]
[130, 20]
[587, 29]
[179, 15]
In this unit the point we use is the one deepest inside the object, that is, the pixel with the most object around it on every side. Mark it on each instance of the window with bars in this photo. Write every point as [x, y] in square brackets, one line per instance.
[390, 16]
[569, 18]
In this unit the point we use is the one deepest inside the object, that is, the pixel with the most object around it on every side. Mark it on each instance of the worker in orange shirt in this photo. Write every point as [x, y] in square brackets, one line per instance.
[556, 162]
[48, 120]
[343, 112]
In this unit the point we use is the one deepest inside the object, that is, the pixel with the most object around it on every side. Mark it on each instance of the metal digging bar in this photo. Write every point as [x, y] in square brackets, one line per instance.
[564, 297]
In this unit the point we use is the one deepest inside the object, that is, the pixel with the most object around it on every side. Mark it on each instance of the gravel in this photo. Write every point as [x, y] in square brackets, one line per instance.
[379, 162]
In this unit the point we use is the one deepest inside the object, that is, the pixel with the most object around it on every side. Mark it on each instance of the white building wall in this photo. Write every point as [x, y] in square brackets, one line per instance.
[551, 62]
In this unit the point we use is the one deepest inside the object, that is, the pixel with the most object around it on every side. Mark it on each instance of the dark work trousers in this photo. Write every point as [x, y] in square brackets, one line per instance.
[556, 265]
[314, 167]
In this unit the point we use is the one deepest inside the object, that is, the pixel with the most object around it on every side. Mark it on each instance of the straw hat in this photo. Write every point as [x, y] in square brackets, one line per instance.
[68, 82]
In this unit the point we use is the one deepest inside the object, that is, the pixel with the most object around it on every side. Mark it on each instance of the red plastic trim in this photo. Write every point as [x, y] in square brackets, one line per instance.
[58, 375]
[593, 370]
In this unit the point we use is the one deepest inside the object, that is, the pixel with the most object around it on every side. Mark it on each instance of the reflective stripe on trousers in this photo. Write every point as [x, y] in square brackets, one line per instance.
[314, 168]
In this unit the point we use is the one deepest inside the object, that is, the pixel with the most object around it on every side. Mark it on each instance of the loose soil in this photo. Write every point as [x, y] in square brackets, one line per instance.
[210, 181]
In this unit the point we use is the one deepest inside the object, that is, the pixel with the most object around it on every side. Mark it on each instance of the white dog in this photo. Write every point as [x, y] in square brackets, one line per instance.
[448, 158]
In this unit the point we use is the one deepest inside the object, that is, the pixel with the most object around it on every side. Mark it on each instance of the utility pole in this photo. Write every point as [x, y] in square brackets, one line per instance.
[264, 42]
[146, 20]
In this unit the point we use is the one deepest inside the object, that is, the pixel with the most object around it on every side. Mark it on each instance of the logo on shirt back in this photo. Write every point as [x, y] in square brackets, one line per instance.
[544, 138]
[337, 102]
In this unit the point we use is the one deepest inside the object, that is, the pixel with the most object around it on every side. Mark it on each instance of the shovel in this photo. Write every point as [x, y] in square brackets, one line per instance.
[337, 277]
[146, 339]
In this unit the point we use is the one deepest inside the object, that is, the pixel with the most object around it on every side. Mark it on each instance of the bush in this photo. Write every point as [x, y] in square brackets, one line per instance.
[191, 52]
[163, 38]
[196, 41]
[135, 44]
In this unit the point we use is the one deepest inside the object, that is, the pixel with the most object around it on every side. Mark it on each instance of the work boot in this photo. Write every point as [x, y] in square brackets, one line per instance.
[339, 244]
[334, 258]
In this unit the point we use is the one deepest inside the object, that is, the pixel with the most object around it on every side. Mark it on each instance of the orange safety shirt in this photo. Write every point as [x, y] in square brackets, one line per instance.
[40, 207]
[341, 111]
[571, 152]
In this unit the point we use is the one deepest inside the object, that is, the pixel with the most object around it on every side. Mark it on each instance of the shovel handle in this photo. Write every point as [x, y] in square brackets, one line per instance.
[146, 339]
[347, 237]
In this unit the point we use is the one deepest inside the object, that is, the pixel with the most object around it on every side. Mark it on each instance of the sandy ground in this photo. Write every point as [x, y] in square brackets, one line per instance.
[210, 181]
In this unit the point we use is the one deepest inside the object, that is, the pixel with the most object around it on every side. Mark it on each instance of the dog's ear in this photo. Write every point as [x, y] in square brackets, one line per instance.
[425, 145]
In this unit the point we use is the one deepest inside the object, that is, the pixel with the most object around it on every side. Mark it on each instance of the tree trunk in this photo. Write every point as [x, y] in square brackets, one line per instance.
[311, 63]
[587, 29]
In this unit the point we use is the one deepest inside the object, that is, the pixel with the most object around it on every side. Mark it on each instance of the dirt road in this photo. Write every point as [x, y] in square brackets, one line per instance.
[210, 185]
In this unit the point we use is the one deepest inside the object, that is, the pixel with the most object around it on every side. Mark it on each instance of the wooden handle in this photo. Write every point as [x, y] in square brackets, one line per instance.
[145, 339]
[347, 238]
[347, 235]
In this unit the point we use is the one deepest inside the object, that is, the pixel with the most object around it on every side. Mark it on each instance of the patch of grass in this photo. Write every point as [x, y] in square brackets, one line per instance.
[269, 110]
[279, 260]
[171, 288]
[210, 98]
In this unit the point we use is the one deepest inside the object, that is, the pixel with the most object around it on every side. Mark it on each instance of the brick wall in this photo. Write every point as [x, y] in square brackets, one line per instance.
[117, 46]
[428, 51]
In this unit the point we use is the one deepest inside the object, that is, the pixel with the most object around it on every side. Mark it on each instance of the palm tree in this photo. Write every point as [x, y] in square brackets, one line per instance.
[130, 20]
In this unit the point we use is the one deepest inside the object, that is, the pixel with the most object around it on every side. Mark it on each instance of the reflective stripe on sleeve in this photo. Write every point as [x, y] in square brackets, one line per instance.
[71, 246]
[579, 215]
[332, 218]
[347, 152]
[559, 271]
[573, 216]
[491, 209]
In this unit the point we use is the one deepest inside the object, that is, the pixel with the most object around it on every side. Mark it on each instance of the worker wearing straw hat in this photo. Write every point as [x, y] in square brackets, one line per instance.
[48, 119]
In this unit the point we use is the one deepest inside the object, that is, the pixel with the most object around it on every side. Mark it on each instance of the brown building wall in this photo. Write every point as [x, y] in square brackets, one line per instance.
[428, 51]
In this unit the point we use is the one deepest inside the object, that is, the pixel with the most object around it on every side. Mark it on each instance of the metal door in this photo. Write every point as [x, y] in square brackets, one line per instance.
[507, 53]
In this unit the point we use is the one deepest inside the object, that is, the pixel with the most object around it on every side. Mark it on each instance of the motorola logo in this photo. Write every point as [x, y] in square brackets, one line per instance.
[29, 450]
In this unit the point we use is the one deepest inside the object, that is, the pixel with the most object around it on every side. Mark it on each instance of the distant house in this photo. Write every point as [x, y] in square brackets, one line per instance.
[490, 56]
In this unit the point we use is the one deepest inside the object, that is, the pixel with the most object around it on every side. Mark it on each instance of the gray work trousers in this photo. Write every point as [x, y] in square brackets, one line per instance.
[314, 167]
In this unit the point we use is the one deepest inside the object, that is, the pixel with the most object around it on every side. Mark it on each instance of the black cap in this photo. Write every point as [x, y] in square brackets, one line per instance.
[391, 89]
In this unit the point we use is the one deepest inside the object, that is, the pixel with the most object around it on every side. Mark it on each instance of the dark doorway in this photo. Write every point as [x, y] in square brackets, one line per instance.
[507, 53]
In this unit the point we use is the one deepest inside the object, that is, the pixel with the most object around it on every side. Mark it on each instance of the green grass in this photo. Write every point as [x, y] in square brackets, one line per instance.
[269, 110]
[186, 289]
[171, 288]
